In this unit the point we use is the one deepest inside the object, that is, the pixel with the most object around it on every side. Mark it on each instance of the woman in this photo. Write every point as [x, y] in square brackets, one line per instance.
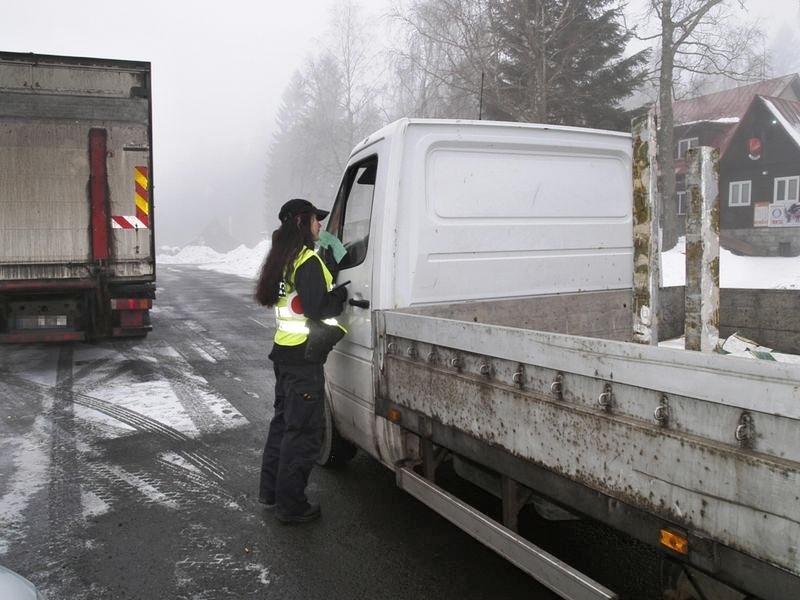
[297, 283]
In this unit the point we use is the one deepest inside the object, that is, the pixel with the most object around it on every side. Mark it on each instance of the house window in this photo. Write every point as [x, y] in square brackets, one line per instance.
[682, 202]
[786, 189]
[685, 144]
[739, 194]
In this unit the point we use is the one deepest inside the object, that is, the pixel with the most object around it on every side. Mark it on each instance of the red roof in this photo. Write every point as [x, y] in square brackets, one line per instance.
[731, 103]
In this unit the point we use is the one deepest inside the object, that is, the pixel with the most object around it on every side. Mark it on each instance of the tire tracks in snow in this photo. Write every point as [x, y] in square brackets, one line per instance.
[207, 465]
[57, 527]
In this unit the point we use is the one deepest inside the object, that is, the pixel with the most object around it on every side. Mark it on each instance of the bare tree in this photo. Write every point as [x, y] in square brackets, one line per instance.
[362, 75]
[697, 38]
[439, 62]
[328, 106]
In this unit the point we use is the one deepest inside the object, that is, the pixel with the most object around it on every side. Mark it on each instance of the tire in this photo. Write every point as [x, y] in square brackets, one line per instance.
[336, 451]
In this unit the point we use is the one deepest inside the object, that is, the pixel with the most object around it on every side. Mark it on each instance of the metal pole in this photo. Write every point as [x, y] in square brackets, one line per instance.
[702, 250]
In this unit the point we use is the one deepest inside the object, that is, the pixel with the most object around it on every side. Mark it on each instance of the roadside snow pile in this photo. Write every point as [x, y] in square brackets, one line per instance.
[191, 255]
[243, 261]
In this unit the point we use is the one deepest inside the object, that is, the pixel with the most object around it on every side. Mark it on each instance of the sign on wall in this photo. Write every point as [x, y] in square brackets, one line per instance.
[761, 214]
[784, 214]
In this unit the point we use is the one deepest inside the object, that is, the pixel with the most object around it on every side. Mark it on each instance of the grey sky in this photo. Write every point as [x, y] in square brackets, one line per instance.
[219, 70]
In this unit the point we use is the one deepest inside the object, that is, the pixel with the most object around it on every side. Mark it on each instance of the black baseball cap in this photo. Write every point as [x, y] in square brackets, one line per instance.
[298, 206]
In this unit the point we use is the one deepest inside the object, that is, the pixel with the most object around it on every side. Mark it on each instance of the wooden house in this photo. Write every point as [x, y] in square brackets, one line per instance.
[741, 123]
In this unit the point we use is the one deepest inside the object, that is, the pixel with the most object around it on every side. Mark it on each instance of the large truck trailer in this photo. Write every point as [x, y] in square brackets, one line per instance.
[77, 253]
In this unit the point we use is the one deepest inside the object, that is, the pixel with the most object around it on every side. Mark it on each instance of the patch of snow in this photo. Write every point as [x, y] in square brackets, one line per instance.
[29, 474]
[243, 261]
[179, 461]
[751, 272]
[155, 399]
[93, 505]
[143, 486]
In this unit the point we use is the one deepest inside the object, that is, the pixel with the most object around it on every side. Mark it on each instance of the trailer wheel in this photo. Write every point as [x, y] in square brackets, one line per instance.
[336, 451]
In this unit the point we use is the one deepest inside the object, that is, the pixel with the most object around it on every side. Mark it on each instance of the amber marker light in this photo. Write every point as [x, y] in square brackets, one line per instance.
[395, 416]
[674, 541]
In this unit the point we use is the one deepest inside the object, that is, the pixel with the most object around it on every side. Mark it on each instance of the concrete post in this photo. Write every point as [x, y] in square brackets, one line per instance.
[702, 250]
[646, 247]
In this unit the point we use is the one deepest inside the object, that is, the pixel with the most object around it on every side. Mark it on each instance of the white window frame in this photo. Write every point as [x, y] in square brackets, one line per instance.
[687, 144]
[787, 181]
[739, 186]
[682, 199]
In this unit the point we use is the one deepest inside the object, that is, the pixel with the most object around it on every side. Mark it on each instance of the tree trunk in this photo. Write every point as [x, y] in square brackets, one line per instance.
[666, 138]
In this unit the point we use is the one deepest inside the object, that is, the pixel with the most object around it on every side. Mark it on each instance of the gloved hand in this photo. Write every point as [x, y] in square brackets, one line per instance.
[328, 240]
[340, 293]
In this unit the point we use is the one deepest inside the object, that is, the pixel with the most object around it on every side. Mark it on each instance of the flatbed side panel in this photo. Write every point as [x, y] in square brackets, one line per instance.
[763, 386]
[496, 385]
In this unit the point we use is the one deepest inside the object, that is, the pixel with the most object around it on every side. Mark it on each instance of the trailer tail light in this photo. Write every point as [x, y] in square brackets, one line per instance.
[395, 416]
[131, 304]
[674, 541]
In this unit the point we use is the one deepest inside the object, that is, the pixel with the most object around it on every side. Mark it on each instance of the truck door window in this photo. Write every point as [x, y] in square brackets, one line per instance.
[351, 214]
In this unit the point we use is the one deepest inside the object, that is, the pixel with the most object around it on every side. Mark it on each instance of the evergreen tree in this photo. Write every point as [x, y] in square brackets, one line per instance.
[561, 62]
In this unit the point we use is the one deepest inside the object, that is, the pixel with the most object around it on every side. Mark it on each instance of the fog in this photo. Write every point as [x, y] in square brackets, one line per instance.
[218, 73]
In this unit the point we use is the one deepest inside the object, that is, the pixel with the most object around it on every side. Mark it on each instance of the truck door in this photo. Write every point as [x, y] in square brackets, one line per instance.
[349, 366]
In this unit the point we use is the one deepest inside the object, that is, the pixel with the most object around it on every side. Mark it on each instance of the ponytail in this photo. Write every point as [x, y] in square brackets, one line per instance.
[287, 241]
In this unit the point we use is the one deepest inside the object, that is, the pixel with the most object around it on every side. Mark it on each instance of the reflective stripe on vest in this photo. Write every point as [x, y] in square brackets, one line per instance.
[290, 322]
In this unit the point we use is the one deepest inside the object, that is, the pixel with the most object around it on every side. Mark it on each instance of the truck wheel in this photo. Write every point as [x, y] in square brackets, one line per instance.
[336, 451]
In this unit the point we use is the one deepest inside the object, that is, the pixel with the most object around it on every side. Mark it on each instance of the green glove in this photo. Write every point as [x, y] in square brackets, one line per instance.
[328, 240]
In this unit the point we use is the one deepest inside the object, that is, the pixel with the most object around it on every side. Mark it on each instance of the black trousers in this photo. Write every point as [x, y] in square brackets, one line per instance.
[295, 433]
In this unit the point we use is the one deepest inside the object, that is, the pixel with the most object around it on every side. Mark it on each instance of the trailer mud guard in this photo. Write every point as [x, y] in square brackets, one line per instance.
[541, 565]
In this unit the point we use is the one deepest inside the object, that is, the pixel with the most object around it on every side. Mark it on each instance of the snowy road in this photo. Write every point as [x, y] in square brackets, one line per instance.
[128, 470]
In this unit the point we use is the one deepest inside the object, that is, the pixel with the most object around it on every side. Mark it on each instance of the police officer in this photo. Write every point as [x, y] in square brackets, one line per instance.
[295, 281]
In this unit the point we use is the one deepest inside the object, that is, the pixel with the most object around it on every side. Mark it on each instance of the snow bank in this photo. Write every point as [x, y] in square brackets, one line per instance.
[752, 272]
[243, 261]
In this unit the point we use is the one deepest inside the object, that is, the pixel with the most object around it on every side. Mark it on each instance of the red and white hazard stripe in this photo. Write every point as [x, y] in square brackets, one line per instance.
[141, 203]
[118, 222]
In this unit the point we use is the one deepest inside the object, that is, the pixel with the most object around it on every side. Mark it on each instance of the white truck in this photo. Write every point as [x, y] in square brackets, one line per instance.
[77, 253]
[489, 325]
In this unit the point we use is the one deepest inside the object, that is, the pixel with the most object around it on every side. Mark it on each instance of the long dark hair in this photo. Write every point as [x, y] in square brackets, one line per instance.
[287, 241]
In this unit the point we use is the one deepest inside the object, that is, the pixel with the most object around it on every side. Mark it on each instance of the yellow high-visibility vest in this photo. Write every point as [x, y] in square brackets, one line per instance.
[291, 328]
